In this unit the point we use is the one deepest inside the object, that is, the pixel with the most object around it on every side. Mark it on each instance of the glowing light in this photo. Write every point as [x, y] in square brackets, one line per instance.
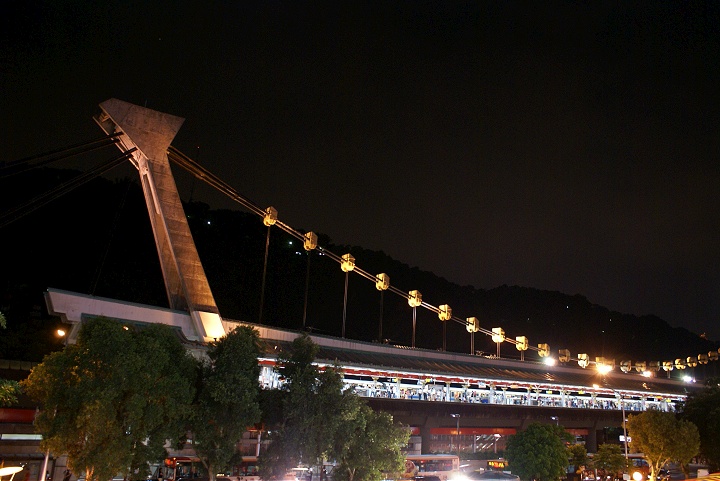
[459, 477]
[444, 312]
[382, 282]
[583, 360]
[310, 241]
[637, 476]
[270, 216]
[348, 263]
[10, 470]
[414, 298]
[550, 361]
[522, 343]
[647, 373]
[498, 334]
[60, 332]
[472, 324]
[604, 368]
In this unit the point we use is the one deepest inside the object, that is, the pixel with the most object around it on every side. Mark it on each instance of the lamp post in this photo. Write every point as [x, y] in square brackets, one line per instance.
[497, 438]
[622, 408]
[457, 433]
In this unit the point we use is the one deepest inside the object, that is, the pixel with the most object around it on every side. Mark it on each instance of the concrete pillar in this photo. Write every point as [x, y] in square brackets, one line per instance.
[591, 440]
[426, 437]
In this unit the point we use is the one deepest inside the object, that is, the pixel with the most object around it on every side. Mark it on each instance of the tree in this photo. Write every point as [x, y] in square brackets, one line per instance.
[703, 410]
[368, 445]
[9, 391]
[662, 438]
[227, 397]
[112, 400]
[539, 452]
[609, 458]
[578, 456]
[314, 405]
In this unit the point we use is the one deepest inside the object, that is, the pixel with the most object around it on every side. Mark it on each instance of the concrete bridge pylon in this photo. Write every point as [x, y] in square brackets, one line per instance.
[150, 133]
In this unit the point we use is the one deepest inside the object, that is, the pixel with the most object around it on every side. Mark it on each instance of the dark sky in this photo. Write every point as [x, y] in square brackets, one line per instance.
[569, 146]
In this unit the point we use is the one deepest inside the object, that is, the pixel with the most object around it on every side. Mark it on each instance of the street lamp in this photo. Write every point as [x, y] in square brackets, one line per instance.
[622, 408]
[414, 300]
[457, 433]
[556, 419]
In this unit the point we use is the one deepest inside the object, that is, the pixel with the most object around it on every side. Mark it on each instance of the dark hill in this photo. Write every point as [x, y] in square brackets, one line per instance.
[97, 240]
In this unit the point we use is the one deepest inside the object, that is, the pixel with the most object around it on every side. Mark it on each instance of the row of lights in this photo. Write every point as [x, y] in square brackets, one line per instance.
[414, 297]
[472, 325]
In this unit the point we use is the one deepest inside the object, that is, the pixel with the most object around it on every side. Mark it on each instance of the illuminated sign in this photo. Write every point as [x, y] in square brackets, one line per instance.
[499, 464]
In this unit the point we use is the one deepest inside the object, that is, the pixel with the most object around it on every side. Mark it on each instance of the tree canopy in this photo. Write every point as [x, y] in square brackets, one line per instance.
[111, 400]
[314, 409]
[9, 391]
[313, 404]
[662, 438]
[609, 458]
[368, 445]
[539, 452]
[703, 410]
[227, 397]
[578, 456]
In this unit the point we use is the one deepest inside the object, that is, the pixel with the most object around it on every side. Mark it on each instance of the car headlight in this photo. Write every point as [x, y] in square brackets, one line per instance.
[458, 477]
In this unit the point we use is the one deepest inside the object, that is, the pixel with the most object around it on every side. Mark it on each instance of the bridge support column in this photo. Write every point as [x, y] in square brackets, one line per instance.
[425, 438]
[591, 441]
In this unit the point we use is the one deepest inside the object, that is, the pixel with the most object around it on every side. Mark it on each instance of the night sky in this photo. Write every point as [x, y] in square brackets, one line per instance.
[568, 146]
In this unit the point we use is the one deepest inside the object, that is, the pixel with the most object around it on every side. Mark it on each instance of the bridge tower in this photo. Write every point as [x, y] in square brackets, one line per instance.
[150, 133]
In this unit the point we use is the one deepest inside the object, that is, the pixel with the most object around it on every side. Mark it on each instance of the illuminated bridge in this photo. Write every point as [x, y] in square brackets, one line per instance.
[445, 397]
[452, 401]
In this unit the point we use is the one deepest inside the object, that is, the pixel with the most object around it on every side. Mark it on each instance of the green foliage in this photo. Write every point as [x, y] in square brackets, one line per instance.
[369, 444]
[578, 456]
[9, 391]
[538, 453]
[662, 438]
[314, 408]
[703, 410]
[111, 400]
[227, 397]
[609, 458]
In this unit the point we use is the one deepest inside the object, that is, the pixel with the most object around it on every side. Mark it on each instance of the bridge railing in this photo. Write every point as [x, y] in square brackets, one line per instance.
[486, 393]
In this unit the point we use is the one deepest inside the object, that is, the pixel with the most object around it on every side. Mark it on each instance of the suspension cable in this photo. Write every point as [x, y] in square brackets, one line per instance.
[211, 179]
[18, 166]
[33, 204]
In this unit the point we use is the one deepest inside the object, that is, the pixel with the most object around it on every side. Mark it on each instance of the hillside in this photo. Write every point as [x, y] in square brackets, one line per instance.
[97, 240]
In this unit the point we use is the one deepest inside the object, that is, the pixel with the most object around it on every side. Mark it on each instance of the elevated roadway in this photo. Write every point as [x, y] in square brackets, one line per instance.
[424, 388]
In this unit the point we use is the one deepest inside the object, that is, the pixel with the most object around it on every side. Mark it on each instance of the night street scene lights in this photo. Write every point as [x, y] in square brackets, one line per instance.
[457, 433]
